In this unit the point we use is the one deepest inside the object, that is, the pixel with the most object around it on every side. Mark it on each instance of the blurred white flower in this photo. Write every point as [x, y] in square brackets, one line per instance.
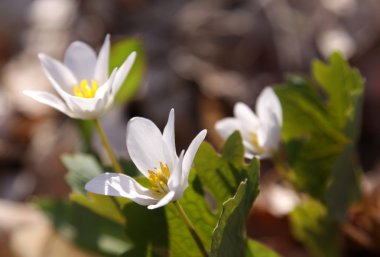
[336, 39]
[154, 154]
[85, 88]
[261, 132]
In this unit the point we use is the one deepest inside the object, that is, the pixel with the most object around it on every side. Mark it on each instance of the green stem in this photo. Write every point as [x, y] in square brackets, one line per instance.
[191, 228]
[115, 164]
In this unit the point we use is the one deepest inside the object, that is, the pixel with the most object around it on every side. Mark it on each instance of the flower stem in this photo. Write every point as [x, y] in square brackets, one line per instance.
[115, 164]
[191, 228]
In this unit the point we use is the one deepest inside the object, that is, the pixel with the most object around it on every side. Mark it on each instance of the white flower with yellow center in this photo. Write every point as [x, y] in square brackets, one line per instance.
[261, 133]
[85, 88]
[154, 154]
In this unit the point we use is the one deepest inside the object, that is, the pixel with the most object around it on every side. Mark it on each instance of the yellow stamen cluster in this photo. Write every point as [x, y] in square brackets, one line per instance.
[159, 179]
[84, 90]
[255, 143]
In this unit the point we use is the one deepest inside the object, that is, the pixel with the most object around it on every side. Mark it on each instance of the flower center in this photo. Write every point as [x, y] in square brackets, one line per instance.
[255, 143]
[85, 90]
[159, 179]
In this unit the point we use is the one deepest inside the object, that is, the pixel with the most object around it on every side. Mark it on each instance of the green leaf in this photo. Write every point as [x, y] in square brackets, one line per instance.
[323, 130]
[221, 175]
[321, 126]
[162, 231]
[81, 169]
[230, 230]
[344, 188]
[86, 229]
[343, 85]
[231, 227]
[193, 202]
[256, 249]
[147, 230]
[304, 112]
[311, 226]
[233, 150]
[119, 52]
[102, 205]
[312, 142]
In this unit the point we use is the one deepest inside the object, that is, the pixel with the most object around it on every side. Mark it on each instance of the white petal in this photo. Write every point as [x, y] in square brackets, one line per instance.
[248, 155]
[268, 107]
[49, 99]
[189, 157]
[164, 201]
[123, 72]
[146, 145]
[101, 68]
[80, 58]
[248, 120]
[113, 184]
[227, 126]
[105, 89]
[248, 146]
[86, 108]
[269, 138]
[260, 156]
[169, 136]
[175, 179]
[246, 116]
[85, 104]
[59, 76]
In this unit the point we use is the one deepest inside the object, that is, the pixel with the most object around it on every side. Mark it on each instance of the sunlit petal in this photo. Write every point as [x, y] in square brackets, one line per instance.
[104, 90]
[49, 99]
[164, 201]
[59, 76]
[146, 145]
[80, 58]
[113, 184]
[101, 68]
[248, 120]
[175, 181]
[246, 116]
[268, 107]
[169, 137]
[189, 156]
[227, 126]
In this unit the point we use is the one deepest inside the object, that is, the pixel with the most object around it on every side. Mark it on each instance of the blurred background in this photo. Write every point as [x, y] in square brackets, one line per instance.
[202, 56]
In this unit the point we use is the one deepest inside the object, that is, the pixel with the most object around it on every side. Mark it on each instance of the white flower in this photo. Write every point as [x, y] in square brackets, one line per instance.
[261, 133]
[154, 154]
[82, 82]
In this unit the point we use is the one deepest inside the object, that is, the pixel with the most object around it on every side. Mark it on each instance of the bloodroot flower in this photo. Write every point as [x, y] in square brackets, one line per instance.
[154, 154]
[86, 90]
[261, 133]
